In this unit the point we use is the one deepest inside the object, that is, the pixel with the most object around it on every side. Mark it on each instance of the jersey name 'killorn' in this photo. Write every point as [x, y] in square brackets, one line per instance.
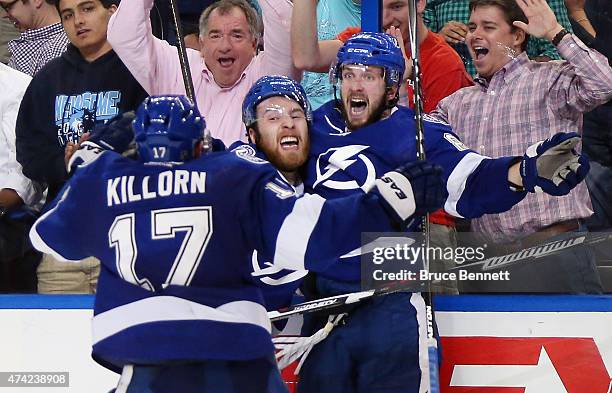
[123, 190]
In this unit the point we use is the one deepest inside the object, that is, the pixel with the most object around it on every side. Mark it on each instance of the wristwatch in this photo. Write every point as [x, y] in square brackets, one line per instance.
[559, 36]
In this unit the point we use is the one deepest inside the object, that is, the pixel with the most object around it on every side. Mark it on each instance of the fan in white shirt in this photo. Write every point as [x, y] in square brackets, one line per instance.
[15, 188]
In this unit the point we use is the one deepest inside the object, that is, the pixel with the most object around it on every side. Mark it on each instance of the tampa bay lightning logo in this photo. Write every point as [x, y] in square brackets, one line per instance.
[274, 275]
[337, 160]
[248, 153]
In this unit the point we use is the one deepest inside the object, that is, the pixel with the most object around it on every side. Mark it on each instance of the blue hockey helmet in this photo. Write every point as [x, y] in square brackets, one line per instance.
[273, 86]
[372, 49]
[167, 128]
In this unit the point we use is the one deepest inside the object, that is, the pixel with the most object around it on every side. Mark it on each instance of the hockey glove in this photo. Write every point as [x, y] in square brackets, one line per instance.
[553, 166]
[116, 135]
[412, 190]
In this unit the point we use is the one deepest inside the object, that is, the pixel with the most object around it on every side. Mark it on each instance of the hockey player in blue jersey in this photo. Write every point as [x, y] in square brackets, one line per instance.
[177, 309]
[356, 137]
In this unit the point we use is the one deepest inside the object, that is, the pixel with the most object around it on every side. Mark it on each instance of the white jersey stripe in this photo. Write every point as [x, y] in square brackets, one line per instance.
[294, 235]
[457, 180]
[170, 308]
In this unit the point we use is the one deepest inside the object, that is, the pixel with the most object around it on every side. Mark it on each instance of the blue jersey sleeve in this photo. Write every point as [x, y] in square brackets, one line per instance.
[476, 184]
[62, 230]
[309, 232]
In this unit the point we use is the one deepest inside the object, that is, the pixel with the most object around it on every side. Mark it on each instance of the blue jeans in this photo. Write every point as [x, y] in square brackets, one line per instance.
[597, 145]
[599, 184]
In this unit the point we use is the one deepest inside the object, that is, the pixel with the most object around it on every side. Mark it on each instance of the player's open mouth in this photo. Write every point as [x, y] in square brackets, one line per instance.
[480, 52]
[226, 62]
[357, 106]
[289, 143]
[82, 32]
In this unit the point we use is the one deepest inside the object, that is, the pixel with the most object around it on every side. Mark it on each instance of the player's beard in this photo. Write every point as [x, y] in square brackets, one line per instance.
[377, 114]
[280, 162]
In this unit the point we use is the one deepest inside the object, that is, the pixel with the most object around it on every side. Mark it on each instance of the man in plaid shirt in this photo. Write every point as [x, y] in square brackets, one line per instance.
[517, 102]
[449, 17]
[42, 35]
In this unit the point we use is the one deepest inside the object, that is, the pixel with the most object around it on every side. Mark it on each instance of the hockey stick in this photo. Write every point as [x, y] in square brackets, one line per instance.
[320, 304]
[182, 53]
[339, 300]
[532, 253]
[432, 344]
[186, 70]
[525, 255]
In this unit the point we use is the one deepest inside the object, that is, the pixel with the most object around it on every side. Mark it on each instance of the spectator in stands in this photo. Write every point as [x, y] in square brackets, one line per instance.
[18, 260]
[87, 85]
[517, 102]
[442, 74]
[225, 68]
[332, 17]
[42, 36]
[450, 17]
[8, 32]
[592, 23]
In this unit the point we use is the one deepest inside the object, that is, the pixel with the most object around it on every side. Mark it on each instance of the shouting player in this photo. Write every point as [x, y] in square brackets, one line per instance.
[177, 308]
[356, 137]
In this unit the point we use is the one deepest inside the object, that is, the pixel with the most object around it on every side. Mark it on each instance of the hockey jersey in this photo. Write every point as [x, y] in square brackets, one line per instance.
[176, 244]
[345, 163]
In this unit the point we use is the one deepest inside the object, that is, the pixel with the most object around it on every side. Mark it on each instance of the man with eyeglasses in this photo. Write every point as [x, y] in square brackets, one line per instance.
[42, 36]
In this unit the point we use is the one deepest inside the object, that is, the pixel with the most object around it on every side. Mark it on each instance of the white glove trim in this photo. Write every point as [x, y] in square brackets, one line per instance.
[88, 152]
[397, 191]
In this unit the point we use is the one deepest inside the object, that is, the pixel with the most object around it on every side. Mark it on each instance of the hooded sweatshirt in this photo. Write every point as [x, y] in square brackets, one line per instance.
[67, 98]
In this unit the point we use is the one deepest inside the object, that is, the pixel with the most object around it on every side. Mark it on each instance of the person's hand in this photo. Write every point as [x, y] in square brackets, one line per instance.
[542, 20]
[69, 150]
[72, 147]
[395, 32]
[454, 32]
[412, 190]
[553, 166]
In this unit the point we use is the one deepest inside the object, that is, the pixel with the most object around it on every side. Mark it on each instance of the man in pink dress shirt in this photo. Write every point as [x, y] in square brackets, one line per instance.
[226, 66]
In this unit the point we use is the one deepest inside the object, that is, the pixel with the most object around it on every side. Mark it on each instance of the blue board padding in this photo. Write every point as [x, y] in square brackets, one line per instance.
[524, 303]
[46, 301]
[463, 303]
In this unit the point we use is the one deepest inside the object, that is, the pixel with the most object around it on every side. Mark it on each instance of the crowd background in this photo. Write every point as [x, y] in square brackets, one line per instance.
[74, 62]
